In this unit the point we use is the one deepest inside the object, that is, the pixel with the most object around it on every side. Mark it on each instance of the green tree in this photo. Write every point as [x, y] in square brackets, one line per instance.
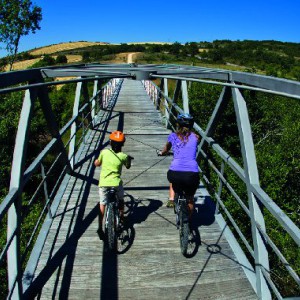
[192, 48]
[86, 55]
[45, 62]
[61, 59]
[175, 48]
[17, 18]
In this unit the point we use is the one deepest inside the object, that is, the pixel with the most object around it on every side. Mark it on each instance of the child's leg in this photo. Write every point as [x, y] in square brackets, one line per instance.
[102, 203]
[120, 192]
[102, 210]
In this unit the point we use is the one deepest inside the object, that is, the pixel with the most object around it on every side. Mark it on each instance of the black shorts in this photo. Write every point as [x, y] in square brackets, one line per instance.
[186, 181]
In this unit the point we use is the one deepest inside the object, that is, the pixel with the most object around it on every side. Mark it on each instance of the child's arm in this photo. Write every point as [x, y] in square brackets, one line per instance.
[128, 161]
[97, 163]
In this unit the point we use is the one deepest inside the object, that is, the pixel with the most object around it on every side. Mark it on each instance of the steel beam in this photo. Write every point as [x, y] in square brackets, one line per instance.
[16, 182]
[74, 125]
[251, 176]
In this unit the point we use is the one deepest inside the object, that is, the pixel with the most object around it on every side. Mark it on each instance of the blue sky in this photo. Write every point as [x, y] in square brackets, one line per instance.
[183, 21]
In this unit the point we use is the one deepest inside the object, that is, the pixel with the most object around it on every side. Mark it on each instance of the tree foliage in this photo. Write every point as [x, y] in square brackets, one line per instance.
[17, 18]
[61, 59]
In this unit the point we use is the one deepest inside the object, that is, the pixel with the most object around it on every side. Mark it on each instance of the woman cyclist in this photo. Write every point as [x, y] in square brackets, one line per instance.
[183, 172]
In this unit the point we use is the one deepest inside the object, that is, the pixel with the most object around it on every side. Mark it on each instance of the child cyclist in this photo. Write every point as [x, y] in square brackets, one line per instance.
[111, 162]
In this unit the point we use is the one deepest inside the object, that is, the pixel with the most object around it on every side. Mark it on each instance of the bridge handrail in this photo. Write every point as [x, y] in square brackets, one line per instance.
[105, 93]
[168, 107]
[159, 95]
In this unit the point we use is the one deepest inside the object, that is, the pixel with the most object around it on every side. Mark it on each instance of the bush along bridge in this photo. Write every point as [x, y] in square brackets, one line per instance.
[49, 217]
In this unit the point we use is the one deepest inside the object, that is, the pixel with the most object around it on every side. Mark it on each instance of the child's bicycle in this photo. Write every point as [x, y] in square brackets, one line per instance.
[182, 221]
[112, 219]
[112, 223]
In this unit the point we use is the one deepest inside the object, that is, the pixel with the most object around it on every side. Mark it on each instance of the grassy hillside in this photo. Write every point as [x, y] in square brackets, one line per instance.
[271, 58]
[52, 49]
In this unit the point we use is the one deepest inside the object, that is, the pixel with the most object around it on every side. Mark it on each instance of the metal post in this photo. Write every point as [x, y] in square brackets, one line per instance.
[185, 97]
[220, 188]
[86, 98]
[166, 92]
[159, 95]
[14, 212]
[251, 174]
[99, 96]
[104, 103]
[46, 190]
[94, 101]
[74, 125]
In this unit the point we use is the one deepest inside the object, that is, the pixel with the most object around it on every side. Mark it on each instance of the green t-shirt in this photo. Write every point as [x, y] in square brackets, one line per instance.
[111, 167]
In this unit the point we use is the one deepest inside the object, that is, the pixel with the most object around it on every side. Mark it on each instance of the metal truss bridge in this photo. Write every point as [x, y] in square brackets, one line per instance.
[62, 256]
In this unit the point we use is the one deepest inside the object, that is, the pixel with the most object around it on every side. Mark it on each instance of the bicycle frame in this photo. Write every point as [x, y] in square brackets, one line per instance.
[181, 209]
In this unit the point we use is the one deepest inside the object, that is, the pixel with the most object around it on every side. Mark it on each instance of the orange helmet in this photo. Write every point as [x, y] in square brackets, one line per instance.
[117, 136]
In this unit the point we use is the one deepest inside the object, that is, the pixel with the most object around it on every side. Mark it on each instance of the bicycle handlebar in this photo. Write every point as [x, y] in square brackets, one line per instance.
[159, 153]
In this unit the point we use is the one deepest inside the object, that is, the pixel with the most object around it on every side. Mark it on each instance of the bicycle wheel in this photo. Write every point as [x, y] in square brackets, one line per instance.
[184, 232]
[111, 226]
[184, 237]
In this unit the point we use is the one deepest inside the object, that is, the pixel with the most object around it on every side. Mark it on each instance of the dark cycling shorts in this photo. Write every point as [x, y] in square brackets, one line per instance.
[186, 181]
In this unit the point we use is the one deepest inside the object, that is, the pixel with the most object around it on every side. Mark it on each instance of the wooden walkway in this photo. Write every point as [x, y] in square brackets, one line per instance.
[75, 264]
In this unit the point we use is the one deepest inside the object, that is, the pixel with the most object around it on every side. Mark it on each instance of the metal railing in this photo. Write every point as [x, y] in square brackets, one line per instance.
[58, 159]
[257, 268]
[63, 151]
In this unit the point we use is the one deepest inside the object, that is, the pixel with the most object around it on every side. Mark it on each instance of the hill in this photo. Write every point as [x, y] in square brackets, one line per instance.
[272, 58]
[63, 47]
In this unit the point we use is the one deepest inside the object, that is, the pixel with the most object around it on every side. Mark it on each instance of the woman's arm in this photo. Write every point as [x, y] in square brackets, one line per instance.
[166, 149]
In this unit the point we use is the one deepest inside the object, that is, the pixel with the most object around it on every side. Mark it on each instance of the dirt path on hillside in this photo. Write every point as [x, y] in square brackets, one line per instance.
[130, 58]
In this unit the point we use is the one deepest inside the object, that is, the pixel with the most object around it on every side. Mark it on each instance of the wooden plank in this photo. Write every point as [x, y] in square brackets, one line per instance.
[75, 264]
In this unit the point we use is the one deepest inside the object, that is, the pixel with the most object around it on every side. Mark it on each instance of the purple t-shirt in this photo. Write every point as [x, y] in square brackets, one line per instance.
[184, 153]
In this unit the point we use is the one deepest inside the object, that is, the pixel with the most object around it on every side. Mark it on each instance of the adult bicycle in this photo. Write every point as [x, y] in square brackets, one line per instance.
[182, 217]
[182, 220]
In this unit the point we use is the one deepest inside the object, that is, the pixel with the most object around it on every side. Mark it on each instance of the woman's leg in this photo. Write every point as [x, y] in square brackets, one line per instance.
[170, 202]
[171, 193]
[190, 201]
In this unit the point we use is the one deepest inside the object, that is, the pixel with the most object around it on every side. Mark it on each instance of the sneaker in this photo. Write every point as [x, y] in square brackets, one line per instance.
[170, 203]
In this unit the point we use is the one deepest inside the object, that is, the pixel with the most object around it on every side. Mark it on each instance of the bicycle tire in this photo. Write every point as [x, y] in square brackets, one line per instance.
[111, 228]
[184, 228]
[184, 237]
